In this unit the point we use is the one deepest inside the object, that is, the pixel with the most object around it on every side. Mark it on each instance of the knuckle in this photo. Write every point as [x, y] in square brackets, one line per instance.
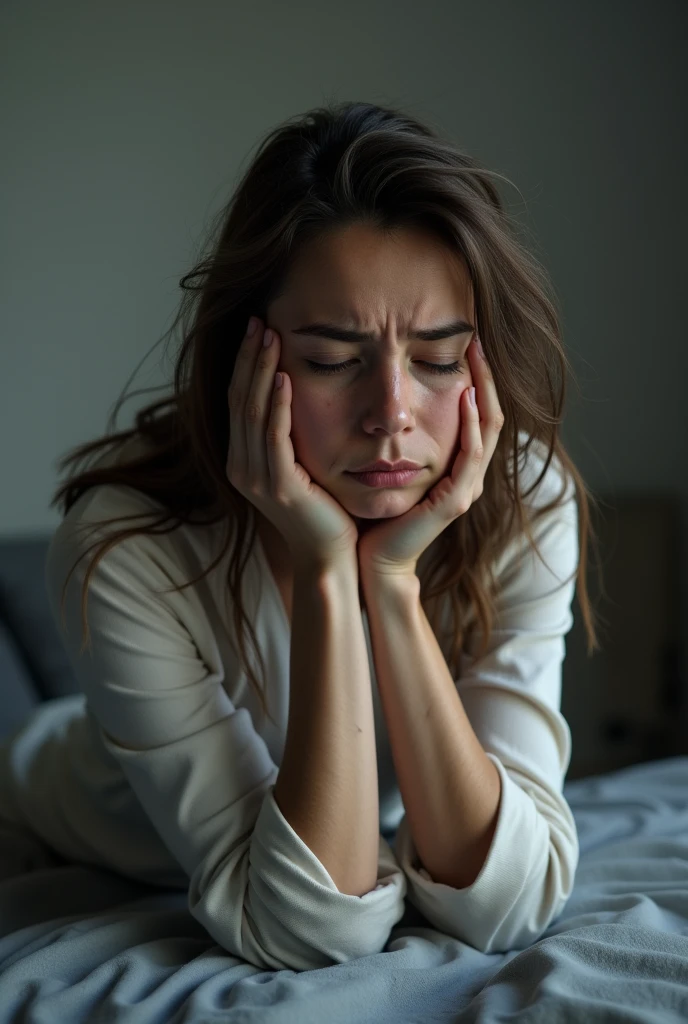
[498, 420]
[273, 436]
[478, 454]
[252, 412]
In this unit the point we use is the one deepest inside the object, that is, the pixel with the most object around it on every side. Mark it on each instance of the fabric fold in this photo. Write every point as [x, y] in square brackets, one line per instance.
[524, 884]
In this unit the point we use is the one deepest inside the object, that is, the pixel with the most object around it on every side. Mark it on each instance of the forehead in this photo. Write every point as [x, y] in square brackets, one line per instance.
[360, 276]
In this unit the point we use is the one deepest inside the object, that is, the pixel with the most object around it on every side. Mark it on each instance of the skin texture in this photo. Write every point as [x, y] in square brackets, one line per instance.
[388, 404]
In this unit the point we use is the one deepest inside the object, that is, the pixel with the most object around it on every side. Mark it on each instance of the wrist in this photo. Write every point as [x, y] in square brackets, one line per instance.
[404, 584]
[335, 572]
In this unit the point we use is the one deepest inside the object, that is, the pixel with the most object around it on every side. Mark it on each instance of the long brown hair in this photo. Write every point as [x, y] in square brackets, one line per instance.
[339, 164]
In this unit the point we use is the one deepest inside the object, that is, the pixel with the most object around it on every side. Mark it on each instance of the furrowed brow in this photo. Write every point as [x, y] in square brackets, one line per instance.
[335, 333]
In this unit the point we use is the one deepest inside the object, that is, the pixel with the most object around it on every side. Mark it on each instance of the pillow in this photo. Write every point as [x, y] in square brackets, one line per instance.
[26, 613]
[18, 696]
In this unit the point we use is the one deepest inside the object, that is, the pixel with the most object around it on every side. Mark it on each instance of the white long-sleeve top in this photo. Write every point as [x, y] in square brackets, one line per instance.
[165, 771]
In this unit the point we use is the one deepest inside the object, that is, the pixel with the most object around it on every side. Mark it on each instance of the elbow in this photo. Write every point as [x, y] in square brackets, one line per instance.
[501, 913]
[252, 917]
[539, 905]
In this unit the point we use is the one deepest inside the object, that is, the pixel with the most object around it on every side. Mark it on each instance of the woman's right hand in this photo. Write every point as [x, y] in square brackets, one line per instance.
[260, 462]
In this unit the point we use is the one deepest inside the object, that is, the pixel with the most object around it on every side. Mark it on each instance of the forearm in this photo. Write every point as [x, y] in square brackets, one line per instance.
[327, 787]
[450, 788]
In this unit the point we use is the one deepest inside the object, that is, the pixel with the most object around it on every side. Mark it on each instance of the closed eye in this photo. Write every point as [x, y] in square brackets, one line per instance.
[327, 368]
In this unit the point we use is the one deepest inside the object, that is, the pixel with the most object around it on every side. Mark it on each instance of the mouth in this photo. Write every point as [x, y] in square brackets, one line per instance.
[382, 466]
[385, 478]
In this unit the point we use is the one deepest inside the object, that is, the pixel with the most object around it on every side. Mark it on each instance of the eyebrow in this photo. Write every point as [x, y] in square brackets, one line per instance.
[327, 330]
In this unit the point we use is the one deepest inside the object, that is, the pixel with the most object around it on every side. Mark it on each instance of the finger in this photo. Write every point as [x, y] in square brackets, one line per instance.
[469, 459]
[278, 443]
[490, 411]
[257, 412]
[240, 383]
[476, 448]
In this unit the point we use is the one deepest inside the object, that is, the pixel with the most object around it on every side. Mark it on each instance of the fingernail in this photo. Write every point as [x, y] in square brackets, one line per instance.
[267, 339]
[480, 346]
[252, 325]
[471, 396]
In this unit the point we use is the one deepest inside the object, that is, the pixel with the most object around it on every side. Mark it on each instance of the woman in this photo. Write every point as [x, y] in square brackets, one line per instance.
[374, 257]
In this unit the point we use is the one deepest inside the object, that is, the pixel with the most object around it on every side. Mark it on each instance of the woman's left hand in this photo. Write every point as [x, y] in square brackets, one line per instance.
[392, 548]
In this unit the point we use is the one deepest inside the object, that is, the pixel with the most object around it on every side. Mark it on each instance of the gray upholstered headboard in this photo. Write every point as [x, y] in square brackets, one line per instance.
[33, 663]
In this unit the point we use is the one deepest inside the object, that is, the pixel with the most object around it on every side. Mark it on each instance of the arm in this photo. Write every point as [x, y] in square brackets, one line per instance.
[327, 786]
[161, 696]
[511, 698]
[444, 775]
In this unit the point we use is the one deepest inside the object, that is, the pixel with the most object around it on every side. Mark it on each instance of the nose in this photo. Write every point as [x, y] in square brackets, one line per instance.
[389, 398]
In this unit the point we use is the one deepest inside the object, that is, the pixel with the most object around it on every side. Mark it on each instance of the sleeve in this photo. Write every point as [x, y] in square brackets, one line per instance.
[512, 699]
[200, 770]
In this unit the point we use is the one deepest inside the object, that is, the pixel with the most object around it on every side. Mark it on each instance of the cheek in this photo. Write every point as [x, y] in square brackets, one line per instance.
[442, 417]
[442, 422]
[313, 424]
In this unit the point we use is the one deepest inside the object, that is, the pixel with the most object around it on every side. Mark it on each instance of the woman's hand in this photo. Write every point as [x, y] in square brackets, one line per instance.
[260, 461]
[393, 548]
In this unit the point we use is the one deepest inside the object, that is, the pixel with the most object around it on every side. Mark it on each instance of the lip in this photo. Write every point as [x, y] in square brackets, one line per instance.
[378, 479]
[382, 466]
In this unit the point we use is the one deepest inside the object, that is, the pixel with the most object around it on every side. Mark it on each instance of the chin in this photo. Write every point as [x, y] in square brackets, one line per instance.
[371, 520]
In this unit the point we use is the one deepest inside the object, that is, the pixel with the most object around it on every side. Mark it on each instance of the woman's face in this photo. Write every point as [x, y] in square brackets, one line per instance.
[387, 403]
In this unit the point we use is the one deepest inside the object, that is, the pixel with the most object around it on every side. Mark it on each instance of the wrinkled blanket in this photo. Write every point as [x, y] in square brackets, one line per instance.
[81, 944]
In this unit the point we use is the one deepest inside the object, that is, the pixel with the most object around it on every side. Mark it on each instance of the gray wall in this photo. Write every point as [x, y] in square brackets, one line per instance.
[125, 126]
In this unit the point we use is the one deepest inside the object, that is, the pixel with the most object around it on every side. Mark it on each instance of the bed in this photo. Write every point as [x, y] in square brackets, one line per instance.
[82, 944]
